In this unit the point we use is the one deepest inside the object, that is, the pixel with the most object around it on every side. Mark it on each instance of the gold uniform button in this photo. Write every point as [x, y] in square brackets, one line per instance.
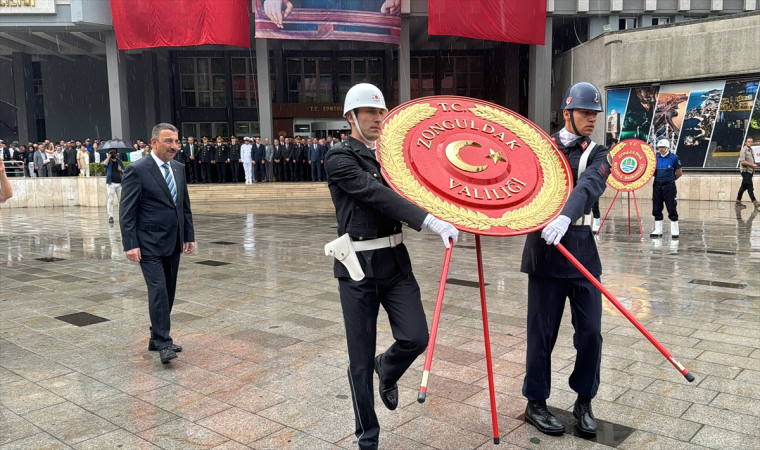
[361, 238]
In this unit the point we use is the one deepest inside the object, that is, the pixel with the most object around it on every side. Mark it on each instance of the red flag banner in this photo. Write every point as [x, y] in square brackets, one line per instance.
[180, 23]
[518, 21]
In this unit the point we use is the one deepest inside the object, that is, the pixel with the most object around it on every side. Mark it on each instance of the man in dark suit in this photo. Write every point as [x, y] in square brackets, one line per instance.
[156, 226]
[191, 151]
[234, 158]
[259, 161]
[279, 150]
[289, 153]
[315, 161]
[70, 159]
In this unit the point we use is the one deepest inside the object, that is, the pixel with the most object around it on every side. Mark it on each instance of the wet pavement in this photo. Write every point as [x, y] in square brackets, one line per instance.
[264, 361]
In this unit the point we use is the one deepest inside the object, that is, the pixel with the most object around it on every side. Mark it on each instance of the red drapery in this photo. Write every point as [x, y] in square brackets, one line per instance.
[179, 23]
[518, 21]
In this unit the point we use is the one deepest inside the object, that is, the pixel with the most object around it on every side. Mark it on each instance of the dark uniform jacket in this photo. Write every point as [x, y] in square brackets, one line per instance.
[234, 152]
[207, 153]
[181, 157]
[221, 153]
[259, 153]
[70, 156]
[301, 152]
[366, 208]
[545, 260]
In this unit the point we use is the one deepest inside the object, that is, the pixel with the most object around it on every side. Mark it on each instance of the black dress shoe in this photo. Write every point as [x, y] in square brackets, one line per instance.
[167, 355]
[539, 416]
[110, 220]
[152, 347]
[389, 395]
[586, 419]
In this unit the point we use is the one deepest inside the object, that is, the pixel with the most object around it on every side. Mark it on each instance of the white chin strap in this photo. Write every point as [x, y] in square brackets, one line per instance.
[358, 128]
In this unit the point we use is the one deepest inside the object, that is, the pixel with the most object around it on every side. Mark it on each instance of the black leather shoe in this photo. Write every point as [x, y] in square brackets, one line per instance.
[389, 395]
[167, 355]
[110, 220]
[152, 347]
[539, 416]
[586, 420]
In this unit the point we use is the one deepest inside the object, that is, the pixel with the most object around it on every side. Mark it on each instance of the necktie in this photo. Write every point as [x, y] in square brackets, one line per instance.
[170, 181]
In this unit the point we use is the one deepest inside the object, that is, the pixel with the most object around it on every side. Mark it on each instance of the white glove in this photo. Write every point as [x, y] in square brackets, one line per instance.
[443, 229]
[553, 232]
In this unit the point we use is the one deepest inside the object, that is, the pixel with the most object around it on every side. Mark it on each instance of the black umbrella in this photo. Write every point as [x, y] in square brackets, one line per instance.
[123, 147]
[8, 125]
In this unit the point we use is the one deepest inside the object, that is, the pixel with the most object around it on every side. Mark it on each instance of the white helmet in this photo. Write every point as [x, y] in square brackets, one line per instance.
[363, 95]
[663, 143]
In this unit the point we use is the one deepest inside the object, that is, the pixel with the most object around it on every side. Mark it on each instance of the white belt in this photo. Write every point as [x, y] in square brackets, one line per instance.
[584, 220]
[375, 244]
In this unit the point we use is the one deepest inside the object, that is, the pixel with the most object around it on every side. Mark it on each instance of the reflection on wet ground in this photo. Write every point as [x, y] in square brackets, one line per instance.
[264, 364]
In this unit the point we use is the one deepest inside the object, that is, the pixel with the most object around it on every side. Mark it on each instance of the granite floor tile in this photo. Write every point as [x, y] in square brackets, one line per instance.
[24, 396]
[39, 441]
[181, 434]
[15, 427]
[69, 423]
[291, 439]
[240, 425]
[119, 439]
[440, 434]
[724, 418]
[719, 438]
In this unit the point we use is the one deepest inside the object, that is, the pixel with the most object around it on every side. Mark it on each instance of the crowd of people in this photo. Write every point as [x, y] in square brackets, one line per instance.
[219, 161]
[252, 161]
[50, 159]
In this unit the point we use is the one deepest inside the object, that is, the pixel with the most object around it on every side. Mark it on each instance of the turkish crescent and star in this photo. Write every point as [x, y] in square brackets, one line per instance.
[452, 154]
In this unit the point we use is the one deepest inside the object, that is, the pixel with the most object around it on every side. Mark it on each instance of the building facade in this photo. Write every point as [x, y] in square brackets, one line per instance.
[61, 67]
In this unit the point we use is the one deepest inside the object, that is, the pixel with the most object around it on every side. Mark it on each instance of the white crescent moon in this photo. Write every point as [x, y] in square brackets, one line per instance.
[452, 154]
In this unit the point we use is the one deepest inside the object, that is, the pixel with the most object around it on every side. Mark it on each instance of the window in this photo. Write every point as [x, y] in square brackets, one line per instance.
[358, 70]
[211, 130]
[244, 85]
[310, 80]
[660, 20]
[422, 76]
[250, 129]
[202, 82]
[627, 24]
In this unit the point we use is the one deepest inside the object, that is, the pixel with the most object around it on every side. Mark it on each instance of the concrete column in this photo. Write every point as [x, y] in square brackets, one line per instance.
[165, 88]
[540, 80]
[404, 63]
[23, 86]
[266, 123]
[149, 71]
[117, 88]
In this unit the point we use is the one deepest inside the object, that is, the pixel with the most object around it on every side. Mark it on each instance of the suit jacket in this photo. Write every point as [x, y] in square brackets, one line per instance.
[366, 208]
[149, 219]
[279, 151]
[195, 153]
[259, 153]
[314, 154]
[289, 151]
[70, 156]
[321, 151]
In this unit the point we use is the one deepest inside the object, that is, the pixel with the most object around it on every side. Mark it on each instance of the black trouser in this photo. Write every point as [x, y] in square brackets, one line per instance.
[235, 169]
[221, 171]
[290, 167]
[300, 172]
[206, 172]
[278, 170]
[160, 273]
[546, 302]
[595, 210]
[72, 170]
[192, 170]
[746, 186]
[664, 192]
[258, 169]
[361, 300]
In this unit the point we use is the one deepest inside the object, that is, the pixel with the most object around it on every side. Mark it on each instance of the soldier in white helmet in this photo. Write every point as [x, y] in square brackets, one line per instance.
[372, 264]
[664, 189]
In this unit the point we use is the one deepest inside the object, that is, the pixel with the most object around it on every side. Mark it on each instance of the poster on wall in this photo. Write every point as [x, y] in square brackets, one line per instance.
[753, 130]
[346, 20]
[639, 112]
[731, 123]
[668, 115]
[698, 122]
[617, 101]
